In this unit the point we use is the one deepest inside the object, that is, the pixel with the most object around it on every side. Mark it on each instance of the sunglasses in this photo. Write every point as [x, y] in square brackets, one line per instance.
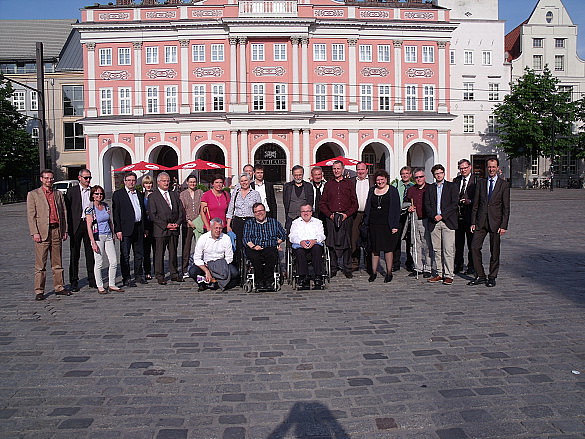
[419, 176]
[86, 178]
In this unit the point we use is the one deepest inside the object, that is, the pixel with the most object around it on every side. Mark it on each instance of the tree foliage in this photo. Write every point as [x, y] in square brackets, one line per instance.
[18, 152]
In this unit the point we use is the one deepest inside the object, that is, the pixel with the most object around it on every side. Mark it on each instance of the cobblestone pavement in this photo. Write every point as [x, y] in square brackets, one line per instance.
[401, 360]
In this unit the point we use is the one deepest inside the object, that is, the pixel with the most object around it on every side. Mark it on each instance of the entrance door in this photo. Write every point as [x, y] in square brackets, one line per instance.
[479, 164]
[273, 158]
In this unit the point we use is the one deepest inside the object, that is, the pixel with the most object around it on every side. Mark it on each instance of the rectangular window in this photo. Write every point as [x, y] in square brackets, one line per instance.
[280, 97]
[560, 43]
[152, 100]
[428, 54]
[198, 53]
[486, 57]
[337, 52]
[217, 54]
[218, 97]
[493, 91]
[383, 53]
[105, 57]
[534, 165]
[280, 52]
[319, 52]
[199, 97]
[452, 57]
[559, 63]
[125, 100]
[562, 89]
[429, 97]
[411, 98]
[468, 57]
[409, 53]
[152, 55]
[537, 42]
[320, 97]
[384, 97]
[258, 97]
[35, 135]
[170, 54]
[73, 100]
[365, 53]
[492, 127]
[468, 93]
[73, 136]
[106, 101]
[257, 52]
[124, 56]
[171, 92]
[19, 100]
[34, 101]
[537, 62]
[468, 123]
[339, 96]
[366, 97]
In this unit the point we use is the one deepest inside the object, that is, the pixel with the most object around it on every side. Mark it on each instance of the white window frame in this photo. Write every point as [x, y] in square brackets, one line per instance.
[34, 101]
[151, 53]
[338, 95]
[384, 53]
[428, 54]
[19, 100]
[125, 100]
[468, 57]
[198, 98]
[257, 51]
[258, 97]
[152, 99]
[34, 133]
[410, 54]
[218, 97]
[365, 52]
[559, 63]
[366, 97]
[280, 97]
[171, 99]
[198, 52]
[217, 53]
[537, 62]
[106, 101]
[411, 97]
[320, 97]
[534, 165]
[468, 91]
[337, 52]
[279, 50]
[486, 57]
[171, 54]
[492, 124]
[560, 43]
[105, 56]
[124, 56]
[469, 123]
[384, 97]
[538, 43]
[493, 91]
[428, 97]
[319, 52]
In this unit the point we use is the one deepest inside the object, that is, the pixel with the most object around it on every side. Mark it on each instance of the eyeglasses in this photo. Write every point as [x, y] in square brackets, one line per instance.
[98, 193]
[464, 167]
[419, 176]
[86, 178]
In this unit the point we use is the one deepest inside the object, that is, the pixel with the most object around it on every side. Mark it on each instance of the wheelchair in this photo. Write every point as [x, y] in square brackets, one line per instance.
[292, 277]
[247, 279]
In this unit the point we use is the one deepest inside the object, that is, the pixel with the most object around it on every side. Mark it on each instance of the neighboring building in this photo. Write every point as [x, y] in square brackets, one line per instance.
[277, 82]
[548, 37]
[480, 78]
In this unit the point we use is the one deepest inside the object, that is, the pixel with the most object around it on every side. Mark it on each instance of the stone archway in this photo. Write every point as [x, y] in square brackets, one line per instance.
[211, 153]
[273, 157]
[378, 155]
[114, 158]
[166, 156]
[420, 155]
[327, 151]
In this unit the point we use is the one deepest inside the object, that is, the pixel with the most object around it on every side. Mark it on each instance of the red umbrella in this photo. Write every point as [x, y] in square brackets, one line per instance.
[199, 165]
[142, 166]
[344, 160]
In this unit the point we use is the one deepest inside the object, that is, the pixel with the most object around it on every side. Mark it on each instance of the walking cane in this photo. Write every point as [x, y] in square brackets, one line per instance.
[412, 220]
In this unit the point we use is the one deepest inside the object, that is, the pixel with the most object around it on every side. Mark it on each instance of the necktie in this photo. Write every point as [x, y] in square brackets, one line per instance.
[317, 196]
[491, 189]
[463, 187]
[168, 200]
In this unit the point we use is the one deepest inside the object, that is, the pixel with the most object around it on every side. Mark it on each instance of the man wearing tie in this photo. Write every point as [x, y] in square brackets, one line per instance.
[166, 213]
[490, 214]
[466, 182]
[318, 183]
[128, 216]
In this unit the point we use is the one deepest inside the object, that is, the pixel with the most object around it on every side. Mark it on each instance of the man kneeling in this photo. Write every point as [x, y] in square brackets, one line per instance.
[211, 265]
[306, 237]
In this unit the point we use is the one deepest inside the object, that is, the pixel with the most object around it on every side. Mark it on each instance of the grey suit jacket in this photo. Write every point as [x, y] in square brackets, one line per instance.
[161, 215]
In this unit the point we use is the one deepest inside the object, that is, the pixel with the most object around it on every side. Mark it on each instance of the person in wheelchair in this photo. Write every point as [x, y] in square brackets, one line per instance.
[211, 264]
[307, 237]
[262, 238]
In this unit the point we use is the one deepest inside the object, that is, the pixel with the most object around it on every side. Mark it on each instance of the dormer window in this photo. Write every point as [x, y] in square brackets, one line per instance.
[549, 16]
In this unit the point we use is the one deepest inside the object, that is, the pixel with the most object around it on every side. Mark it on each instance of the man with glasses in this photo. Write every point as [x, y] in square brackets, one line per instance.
[402, 185]
[465, 182]
[77, 200]
[128, 218]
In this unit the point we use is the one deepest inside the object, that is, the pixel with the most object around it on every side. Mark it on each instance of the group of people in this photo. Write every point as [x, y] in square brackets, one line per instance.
[348, 215]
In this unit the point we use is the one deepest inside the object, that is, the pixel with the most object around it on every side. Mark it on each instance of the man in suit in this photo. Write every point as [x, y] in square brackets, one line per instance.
[490, 214]
[465, 182]
[318, 183]
[363, 182]
[77, 200]
[295, 194]
[47, 223]
[129, 215]
[441, 201]
[266, 190]
[166, 213]
[403, 185]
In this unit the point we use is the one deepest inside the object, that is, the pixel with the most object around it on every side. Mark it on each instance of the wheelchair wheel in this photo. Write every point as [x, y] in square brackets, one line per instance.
[326, 264]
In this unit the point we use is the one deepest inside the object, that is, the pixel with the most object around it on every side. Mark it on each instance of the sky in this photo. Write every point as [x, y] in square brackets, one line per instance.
[513, 11]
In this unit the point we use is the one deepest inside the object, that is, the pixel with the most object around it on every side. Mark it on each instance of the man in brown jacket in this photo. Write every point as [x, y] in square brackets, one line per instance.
[47, 222]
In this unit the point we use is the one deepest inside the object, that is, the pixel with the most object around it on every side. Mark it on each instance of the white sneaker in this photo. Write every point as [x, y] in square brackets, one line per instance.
[185, 275]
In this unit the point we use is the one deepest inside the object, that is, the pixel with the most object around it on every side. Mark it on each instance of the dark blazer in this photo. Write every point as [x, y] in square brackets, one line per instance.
[287, 191]
[393, 212]
[449, 204]
[161, 215]
[470, 189]
[123, 211]
[73, 203]
[492, 214]
[270, 197]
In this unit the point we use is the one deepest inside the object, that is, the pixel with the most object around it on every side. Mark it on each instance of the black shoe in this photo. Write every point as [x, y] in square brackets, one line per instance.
[372, 277]
[40, 296]
[74, 287]
[129, 283]
[304, 283]
[92, 285]
[409, 267]
[490, 282]
[388, 278]
[160, 281]
[141, 280]
[202, 286]
[413, 274]
[397, 268]
[348, 274]
[63, 293]
[214, 285]
[318, 284]
[469, 271]
[426, 274]
[333, 273]
[177, 279]
[478, 281]
[148, 276]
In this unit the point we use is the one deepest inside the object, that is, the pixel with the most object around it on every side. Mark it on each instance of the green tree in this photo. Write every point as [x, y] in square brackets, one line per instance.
[536, 118]
[18, 153]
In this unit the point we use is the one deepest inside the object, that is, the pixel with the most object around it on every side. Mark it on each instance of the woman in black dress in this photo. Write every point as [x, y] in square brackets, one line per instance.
[382, 219]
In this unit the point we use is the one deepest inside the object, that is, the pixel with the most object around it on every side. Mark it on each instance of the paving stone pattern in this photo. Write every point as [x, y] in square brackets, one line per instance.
[358, 360]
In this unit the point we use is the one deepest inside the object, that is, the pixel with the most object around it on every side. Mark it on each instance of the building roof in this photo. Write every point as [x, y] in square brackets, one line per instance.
[72, 54]
[18, 38]
[512, 42]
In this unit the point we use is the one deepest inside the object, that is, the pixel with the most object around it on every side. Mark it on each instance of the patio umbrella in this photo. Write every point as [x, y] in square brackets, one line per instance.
[344, 160]
[199, 165]
[142, 166]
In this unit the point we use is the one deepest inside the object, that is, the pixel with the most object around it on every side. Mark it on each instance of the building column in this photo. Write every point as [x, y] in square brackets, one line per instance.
[442, 108]
[352, 58]
[185, 107]
[443, 151]
[234, 165]
[139, 147]
[353, 144]
[233, 70]
[306, 150]
[92, 92]
[138, 107]
[305, 69]
[295, 68]
[296, 147]
[399, 155]
[185, 154]
[243, 149]
[398, 103]
[93, 160]
[243, 70]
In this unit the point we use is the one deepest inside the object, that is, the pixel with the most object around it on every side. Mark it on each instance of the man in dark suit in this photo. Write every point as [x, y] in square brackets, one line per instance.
[166, 213]
[490, 214]
[77, 200]
[441, 202]
[129, 215]
[363, 182]
[295, 194]
[466, 183]
[266, 190]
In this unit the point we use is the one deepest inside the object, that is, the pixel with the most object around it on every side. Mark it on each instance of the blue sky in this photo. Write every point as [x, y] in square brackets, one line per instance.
[513, 11]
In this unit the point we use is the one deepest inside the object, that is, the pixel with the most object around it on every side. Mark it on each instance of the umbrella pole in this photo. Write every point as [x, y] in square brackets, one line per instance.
[413, 239]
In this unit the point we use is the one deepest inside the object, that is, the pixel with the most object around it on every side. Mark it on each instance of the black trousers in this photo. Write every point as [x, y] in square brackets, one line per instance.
[186, 240]
[136, 242]
[238, 228]
[398, 250]
[463, 234]
[80, 235]
[316, 253]
[476, 245]
[148, 247]
[264, 261]
[161, 244]
[195, 271]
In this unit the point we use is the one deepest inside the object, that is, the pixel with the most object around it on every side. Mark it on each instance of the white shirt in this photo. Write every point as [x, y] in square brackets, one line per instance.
[136, 204]
[362, 187]
[261, 188]
[301, 230]
[166, 196]
[85, 202]
[209, 249]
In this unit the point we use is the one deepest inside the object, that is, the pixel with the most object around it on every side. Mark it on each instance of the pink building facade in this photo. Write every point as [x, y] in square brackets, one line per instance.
[277, 82]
